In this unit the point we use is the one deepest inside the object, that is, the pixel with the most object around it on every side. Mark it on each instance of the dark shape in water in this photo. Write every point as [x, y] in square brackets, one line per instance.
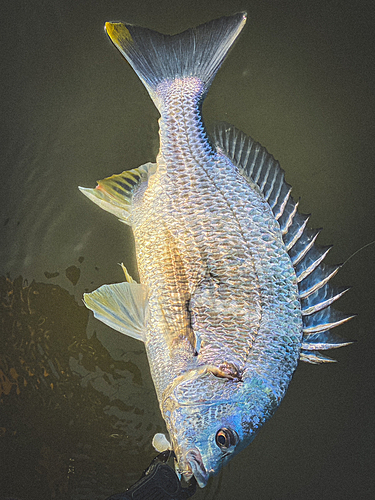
[73, 274]
[158, 481]
[51, 275]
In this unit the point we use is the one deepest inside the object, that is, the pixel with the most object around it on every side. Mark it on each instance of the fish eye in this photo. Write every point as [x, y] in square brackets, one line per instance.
[225, 438]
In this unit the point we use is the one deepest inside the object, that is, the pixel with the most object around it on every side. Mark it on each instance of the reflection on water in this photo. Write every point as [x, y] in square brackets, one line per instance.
[77, 422]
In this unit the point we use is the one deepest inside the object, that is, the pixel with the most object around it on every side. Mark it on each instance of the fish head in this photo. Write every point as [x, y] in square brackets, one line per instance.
[210, 420]
[207, 439]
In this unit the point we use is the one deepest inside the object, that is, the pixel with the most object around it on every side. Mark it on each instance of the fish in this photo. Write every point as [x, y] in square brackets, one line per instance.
[233, 290]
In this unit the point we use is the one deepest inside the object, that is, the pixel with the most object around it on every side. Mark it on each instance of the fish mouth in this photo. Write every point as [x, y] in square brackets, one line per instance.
[194, 459]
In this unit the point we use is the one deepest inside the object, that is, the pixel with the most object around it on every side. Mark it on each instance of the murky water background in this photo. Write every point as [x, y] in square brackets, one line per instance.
[77, 405]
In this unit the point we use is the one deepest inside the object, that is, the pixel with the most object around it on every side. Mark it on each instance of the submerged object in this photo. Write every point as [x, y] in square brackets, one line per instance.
[157, 482]
[233, 290]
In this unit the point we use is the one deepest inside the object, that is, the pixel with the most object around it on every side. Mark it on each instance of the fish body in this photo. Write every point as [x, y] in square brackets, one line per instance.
[203, 237]
[218, 238]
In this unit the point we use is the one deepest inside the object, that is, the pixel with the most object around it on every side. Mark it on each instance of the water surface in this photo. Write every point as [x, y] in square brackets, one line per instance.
[77, 406]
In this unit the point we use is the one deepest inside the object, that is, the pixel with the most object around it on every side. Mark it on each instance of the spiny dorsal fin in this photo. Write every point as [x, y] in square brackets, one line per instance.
[260, 167]
[115, 194]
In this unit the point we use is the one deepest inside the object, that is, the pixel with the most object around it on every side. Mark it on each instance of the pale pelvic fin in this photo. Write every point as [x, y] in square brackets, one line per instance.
[115, 194]
[161, 443]
[121, 306]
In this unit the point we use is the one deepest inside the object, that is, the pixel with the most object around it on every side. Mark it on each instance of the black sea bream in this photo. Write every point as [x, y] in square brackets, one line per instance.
[233, 291]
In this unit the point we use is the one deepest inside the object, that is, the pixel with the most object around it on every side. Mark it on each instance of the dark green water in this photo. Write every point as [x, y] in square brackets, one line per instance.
[77, 405]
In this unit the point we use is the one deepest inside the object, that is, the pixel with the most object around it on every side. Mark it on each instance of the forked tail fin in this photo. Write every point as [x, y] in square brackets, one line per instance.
[196, 52]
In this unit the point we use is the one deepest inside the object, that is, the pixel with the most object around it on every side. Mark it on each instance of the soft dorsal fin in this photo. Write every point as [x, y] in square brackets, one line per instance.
[259, 167]
[255, 163]
[115, 194]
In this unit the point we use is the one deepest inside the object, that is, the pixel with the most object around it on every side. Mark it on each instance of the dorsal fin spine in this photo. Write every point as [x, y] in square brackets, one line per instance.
[283, 204]
[288, 222]
[304, 273]
[322, 304]
[270, 189]
[263, 185]
[327, 272]
[298, 257]
[298, 234]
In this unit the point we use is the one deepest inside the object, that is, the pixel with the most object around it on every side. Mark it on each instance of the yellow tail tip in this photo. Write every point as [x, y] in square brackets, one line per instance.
[117, 32]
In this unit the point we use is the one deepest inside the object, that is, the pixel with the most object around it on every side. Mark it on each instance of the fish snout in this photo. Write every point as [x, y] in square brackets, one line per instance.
[195, 463]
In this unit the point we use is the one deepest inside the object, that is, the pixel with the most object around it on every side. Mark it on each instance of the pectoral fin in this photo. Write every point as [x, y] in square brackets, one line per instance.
[122, 306]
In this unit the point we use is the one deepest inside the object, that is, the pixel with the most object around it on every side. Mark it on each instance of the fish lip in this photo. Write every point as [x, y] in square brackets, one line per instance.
[194, 459]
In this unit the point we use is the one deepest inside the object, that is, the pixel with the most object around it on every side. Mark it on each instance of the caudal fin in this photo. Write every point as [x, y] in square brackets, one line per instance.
[196, 52]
